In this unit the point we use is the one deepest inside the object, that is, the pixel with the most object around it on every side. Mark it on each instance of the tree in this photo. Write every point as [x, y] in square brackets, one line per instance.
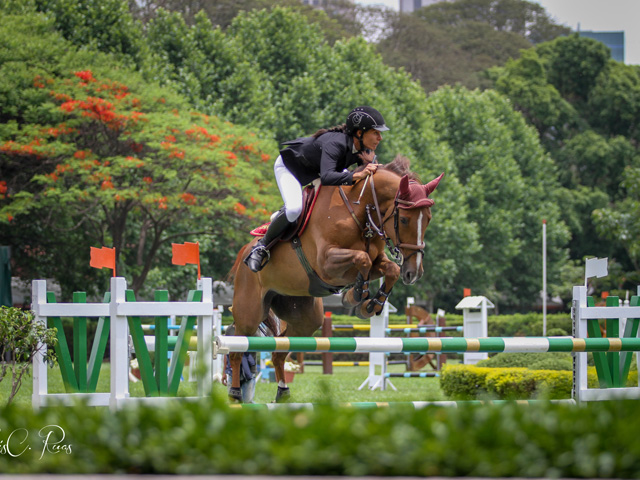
[525, 82]
[116, 161]
[508, 186]
[573, 65]
[614, 101]
[106, 25]
[337, 19]
[621, 222]
[459, 40]
[521, 17]
[585, 108]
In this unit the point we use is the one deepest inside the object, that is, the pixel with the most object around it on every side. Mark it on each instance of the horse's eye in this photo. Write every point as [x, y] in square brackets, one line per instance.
[404, 220]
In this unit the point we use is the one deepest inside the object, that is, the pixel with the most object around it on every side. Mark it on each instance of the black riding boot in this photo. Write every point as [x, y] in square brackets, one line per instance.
[259, 255]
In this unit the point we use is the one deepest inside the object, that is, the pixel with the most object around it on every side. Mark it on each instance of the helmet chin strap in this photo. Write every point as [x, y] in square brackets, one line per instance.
[360, 137]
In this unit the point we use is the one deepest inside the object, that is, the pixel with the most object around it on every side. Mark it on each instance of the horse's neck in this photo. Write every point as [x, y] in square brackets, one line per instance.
[386, 187]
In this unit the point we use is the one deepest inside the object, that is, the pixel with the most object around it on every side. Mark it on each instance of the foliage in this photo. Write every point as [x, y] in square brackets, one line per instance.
[337, 19]
[504, 440]
[534, 361]
[459, 40]
[507, 182]
[467, 382]
[22, 340]
[114, 160]
[585, 107]
[276, 73]
[621, 222]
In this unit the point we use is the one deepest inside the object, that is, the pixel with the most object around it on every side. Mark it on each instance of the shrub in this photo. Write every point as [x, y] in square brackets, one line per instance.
[464, 382]
[21, 339]
[522, 383]
[534, 361]
[208, 438]
[470, 382]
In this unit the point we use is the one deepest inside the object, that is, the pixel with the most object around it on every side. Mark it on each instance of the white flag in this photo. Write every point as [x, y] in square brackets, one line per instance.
[595, 267]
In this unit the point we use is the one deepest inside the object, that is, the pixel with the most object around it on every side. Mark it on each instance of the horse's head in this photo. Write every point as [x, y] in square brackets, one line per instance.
[412, 213]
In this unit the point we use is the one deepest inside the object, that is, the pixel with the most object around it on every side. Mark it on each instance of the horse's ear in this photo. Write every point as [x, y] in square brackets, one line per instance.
[403, 188]
[431, 186]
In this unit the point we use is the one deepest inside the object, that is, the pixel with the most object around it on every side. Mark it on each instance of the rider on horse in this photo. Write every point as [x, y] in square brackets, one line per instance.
[325, 155]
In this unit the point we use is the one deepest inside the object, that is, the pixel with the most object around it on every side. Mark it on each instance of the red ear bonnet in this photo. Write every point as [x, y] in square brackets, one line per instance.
[413, 195]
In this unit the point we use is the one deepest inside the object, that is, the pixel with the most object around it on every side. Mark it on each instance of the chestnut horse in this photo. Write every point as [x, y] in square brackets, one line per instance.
[342, 248]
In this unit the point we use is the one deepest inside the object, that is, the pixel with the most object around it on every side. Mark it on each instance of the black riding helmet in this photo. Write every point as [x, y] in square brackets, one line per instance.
[365, 118]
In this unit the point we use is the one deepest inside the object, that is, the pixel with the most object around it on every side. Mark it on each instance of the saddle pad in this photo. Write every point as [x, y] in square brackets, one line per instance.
[309, 197]
[261, 230]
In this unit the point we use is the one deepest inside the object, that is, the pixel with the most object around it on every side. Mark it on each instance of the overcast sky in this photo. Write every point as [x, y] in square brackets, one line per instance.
[597, 15]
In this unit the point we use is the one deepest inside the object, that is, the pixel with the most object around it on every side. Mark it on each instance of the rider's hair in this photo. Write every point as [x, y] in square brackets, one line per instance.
[338, 128]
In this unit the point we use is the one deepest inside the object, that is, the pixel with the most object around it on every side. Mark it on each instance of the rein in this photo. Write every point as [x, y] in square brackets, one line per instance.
[370, 229]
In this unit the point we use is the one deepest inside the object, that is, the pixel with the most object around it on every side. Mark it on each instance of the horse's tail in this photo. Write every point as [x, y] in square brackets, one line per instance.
[232, 273]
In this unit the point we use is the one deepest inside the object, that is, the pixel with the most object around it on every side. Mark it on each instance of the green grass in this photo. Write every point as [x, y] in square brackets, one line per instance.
[311, 386]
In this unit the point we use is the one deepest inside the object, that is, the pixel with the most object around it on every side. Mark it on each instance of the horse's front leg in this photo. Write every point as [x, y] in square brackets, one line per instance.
[390, 271]
[338, 261]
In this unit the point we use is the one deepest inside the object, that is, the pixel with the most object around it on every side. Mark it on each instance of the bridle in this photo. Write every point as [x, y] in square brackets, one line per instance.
[370, 229]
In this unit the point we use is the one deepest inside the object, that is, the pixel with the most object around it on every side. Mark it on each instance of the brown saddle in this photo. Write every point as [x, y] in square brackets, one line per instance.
[309, 197]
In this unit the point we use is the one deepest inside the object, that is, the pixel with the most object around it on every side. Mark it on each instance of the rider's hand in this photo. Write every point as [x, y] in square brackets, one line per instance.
[370, 169]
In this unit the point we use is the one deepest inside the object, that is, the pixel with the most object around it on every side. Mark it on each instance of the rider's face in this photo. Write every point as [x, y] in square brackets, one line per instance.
[371, 139]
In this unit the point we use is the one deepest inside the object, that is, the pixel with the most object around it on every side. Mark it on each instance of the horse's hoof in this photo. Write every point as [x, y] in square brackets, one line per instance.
[235, 395]
[347, 299]
[283, 395]
[363, 312]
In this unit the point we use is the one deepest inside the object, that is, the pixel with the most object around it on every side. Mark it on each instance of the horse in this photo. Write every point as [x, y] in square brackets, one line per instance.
[341, 249]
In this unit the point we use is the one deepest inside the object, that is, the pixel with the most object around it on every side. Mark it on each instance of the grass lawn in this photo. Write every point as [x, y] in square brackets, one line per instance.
[311, 386]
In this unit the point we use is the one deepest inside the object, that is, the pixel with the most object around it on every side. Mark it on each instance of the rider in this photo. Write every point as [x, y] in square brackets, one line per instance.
[325, 155]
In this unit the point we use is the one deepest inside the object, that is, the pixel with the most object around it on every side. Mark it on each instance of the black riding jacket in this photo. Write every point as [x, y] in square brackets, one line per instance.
[326, 157]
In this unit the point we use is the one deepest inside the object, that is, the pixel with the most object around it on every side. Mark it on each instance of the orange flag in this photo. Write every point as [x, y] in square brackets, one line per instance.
[186, 253]
[103, 258]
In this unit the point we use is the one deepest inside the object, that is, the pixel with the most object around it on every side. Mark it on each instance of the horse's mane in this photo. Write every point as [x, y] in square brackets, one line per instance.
[400, 166]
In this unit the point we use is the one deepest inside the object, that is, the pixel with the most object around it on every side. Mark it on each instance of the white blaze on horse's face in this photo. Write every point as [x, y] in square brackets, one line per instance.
[414, 205]
[418, 241]
[412, 226]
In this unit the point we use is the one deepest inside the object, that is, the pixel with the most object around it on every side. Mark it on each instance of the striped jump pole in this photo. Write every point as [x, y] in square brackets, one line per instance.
[401, 328]
[412, 375]
[225, 344]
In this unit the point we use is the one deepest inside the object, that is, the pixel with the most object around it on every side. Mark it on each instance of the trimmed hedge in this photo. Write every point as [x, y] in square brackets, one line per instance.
[506, 440]
[471, 382]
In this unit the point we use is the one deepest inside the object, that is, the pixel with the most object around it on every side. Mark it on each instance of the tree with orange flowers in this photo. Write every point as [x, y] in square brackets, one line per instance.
[126, 164]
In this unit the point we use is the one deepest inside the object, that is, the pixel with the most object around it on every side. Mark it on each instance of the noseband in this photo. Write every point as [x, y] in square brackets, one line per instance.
[370, 229]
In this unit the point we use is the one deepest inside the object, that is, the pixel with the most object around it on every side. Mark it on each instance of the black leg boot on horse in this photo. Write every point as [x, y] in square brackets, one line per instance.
[259, 255]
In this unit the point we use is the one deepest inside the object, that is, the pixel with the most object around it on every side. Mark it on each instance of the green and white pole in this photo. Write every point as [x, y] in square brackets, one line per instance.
[225, 344]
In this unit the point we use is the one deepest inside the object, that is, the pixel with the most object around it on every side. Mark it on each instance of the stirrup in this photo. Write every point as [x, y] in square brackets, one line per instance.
[257, 264]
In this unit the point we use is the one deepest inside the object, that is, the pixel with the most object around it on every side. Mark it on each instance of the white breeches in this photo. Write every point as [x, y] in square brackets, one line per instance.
[290, 189]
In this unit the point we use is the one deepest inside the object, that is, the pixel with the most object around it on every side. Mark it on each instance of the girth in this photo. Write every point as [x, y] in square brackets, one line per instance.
[317, 286]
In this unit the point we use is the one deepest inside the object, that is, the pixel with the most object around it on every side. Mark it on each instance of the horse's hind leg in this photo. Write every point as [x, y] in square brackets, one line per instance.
[303, 315]
[249, 309]
[235, 392]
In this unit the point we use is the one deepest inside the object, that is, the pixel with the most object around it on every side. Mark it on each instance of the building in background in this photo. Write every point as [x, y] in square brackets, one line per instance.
[407, 6]
[613, 40]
